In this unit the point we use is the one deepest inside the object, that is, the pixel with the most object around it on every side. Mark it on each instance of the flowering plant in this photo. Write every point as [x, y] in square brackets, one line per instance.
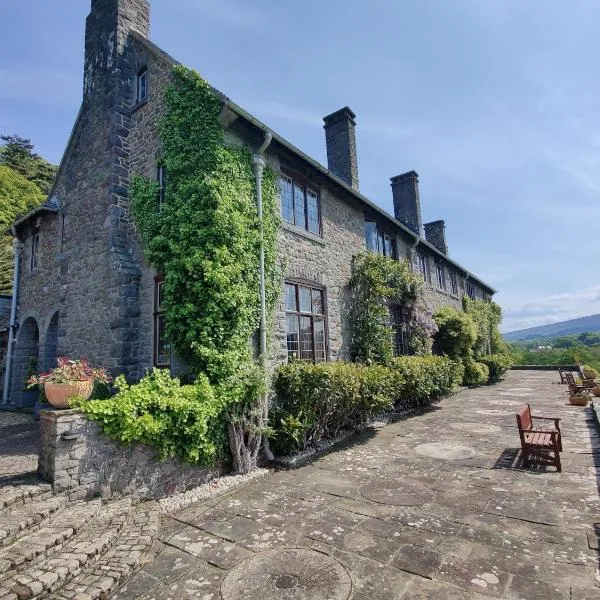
[70, 371]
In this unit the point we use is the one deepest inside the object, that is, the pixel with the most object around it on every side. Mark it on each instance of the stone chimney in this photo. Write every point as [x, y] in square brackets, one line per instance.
[407, 206]
[435, 234]
[341, 145]
[106, 30]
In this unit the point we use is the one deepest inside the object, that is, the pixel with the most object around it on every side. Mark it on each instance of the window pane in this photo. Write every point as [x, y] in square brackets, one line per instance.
[317, 302]
[387, 246]
[163, 348]
[159, 295]
[312, 210]
[290, 298]
[287, 200]
[319, 325]
[306, 339]
[291, 323]
[380, 243]
[371, 236]
[299, 207]
[305, 299]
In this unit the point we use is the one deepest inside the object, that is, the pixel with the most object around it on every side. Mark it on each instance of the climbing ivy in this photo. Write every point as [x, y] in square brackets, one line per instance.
[487, 317]
[205, 240]
[376, 282]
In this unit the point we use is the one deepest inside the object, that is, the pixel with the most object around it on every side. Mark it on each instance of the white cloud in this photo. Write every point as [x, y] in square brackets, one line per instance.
[552, 309]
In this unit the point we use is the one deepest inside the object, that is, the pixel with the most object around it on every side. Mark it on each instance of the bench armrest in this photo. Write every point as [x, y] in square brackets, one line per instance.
[545, 418]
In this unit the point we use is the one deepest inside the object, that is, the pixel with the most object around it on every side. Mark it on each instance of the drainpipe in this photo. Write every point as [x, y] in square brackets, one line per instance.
[18, 249]
[259, 166]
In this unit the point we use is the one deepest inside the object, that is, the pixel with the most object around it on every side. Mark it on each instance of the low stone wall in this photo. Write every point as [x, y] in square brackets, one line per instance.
[545, 367]
[75, 454]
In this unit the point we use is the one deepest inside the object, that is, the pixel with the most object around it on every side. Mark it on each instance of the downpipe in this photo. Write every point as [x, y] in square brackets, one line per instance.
[259, 167]
[18, 250]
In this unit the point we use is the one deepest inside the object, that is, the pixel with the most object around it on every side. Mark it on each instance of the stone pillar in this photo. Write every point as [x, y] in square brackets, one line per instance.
[407, 204]
[340, 138]
[435, 234]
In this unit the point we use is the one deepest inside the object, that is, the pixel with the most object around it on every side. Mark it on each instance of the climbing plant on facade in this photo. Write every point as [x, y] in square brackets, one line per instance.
[205, 240]
[377, 282]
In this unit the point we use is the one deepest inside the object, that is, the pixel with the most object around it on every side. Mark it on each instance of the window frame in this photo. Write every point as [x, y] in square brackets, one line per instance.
[306, 187]
[312, 286]
[440, 276]
[424, 267]
[398, 330]
[142, 75]
[34, 261]
[470, 290]
[157, 314]
[161, 180]
[381, 237]
[453, 283]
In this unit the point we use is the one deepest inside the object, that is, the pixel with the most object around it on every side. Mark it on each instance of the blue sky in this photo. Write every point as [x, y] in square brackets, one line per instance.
[495, 103]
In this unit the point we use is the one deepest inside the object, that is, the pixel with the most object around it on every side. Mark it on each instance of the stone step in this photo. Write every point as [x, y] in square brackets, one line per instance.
[104, 577]
[94, 530]
[26, 518]
[22, 492]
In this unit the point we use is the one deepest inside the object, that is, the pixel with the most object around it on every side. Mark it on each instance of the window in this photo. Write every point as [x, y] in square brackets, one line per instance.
[142, 86]
[305, 322]
[162, 347]
[470, 289]
[440, 276]
[398, 330]
[453, 284]
[300, 205]
[379, 242]
[424, 267]
[35, 247]
[160, 178]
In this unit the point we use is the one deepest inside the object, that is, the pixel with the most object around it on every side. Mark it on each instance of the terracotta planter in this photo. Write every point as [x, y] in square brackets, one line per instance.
[590, 374]
[596, 391]
[578, 400]
[58, 394]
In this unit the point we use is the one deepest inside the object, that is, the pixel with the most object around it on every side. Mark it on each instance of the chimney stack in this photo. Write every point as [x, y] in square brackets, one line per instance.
[341, 145]
[435, 234]
[407, 205]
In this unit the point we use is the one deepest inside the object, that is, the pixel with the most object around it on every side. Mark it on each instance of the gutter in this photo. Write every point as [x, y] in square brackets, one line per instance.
[18, 249]
[246, 115]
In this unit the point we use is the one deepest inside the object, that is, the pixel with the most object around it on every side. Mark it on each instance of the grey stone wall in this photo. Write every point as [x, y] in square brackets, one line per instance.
[74, 454]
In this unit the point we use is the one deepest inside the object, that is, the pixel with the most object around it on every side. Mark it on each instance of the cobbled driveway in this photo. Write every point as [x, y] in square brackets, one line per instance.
[432, 506]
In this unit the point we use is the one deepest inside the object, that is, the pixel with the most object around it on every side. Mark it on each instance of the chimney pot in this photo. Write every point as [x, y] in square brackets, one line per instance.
[340, 138]
[407, 204]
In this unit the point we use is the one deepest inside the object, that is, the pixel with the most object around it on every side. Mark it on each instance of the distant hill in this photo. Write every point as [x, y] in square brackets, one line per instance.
[581, 325]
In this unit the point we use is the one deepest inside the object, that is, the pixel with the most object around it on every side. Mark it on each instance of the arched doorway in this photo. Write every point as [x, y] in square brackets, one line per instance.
[51, 345]
[26, 363]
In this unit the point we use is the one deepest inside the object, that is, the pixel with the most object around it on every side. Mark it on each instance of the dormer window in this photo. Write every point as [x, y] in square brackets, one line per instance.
[142, 86]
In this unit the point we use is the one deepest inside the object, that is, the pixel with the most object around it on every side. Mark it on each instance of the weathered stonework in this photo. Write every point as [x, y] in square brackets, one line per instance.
[74, 454]
[92, 292]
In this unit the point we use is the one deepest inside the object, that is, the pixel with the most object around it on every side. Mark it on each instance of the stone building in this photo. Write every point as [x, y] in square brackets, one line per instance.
[84, 287]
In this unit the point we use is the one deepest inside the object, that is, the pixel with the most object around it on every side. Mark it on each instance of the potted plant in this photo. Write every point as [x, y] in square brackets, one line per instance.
[579, 398]
[71, 378]
[29, 397]
[589, 372]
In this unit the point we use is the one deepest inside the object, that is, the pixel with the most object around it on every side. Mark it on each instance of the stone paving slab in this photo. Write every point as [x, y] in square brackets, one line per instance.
[18, 445]
[437, 506]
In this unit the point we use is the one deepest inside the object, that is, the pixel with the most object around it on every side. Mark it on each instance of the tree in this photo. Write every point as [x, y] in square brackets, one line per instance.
[457, 333]
[17, 196]
[17, 153]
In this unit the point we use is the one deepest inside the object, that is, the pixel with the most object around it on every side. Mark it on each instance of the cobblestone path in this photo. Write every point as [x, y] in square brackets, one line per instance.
[18, 444]
[435, 506]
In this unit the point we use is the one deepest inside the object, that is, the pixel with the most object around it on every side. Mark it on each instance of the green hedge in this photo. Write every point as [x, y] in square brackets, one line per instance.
[315, 402]
[497, 365]
[476, 373]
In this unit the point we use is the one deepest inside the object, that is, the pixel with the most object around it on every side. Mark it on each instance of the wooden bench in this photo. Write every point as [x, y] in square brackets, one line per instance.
[576, 388]
[535, 439]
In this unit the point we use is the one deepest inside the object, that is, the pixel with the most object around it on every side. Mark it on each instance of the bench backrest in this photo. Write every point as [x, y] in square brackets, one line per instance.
[570, 379]
[524, 418]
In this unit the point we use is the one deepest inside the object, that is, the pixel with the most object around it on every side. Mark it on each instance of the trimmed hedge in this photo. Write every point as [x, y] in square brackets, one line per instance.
[316, 402]
[476, 373]
[497, 365]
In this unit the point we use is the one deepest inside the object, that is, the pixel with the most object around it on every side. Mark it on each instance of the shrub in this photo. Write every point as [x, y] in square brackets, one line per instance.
[456, 334]
[476, 373]
[315, 402]
[497, 364]
[178, 420]
[426, 377]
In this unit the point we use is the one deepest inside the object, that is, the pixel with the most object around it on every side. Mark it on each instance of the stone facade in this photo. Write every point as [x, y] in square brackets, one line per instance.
[89, 291]
[75, 455]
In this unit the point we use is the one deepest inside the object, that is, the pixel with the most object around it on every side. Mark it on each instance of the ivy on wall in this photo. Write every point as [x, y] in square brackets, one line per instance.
[205, 240]
[487, 317]
[375, 283]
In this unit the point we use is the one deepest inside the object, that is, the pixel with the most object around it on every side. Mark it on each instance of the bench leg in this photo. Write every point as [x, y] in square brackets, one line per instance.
[525, 456]
[557, 457]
